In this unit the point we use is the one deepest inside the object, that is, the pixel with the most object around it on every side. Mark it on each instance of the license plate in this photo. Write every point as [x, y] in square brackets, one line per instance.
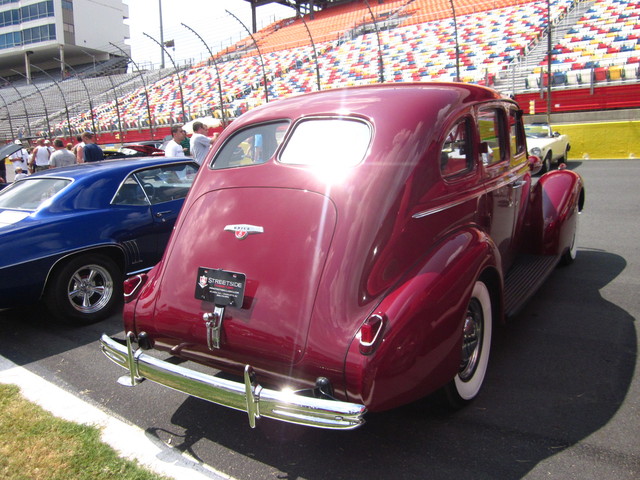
[223, 288]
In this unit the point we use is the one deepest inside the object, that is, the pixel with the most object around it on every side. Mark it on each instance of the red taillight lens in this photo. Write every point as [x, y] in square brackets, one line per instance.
[132, 286]
[371, 333]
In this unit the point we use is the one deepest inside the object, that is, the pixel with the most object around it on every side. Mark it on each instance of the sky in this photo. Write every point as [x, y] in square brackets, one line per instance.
[207, 17]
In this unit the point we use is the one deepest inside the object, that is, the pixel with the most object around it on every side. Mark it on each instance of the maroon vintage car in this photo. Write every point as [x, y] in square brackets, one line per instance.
[350, 250]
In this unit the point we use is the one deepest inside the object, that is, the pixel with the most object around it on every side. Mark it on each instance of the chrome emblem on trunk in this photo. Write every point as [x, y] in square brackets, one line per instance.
[243, 231]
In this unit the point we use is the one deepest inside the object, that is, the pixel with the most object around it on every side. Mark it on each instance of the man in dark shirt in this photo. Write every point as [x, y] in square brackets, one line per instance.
[91, 151]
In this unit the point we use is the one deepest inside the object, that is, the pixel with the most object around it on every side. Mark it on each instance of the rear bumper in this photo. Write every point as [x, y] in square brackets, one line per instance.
[249, 396]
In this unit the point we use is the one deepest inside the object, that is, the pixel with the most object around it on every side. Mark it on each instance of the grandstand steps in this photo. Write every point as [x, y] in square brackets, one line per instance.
[515, 79]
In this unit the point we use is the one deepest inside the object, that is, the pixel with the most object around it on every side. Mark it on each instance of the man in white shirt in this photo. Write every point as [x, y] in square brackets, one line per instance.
[20, 158]
[199, 142]
[40, 157]
[173, 148]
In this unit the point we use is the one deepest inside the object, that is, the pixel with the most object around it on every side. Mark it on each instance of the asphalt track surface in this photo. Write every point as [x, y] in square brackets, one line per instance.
[561, 399]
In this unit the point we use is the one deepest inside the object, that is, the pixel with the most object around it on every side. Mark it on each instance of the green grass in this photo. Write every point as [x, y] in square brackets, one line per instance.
[36, 445]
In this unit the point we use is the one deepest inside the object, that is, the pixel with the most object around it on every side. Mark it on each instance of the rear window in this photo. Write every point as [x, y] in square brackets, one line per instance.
[251, 146]
[30, 194]
[327, 142]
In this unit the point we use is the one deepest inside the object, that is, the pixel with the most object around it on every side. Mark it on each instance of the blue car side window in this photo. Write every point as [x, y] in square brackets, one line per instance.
[130, 193]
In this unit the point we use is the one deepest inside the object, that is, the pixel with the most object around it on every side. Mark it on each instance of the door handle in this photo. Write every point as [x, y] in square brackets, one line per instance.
[162, 214]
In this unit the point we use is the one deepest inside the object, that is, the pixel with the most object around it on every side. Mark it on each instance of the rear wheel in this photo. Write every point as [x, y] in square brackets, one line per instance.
[476, 346]
[85, 290]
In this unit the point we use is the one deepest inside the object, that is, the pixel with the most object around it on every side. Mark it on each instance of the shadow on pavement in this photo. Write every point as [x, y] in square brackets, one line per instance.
[29, 334]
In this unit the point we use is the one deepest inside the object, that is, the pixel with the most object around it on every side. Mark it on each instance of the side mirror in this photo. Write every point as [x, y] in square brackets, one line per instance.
[535, 164]
[556, 134]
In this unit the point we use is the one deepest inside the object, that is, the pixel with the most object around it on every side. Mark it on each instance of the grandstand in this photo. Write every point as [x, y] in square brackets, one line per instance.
[501, 43]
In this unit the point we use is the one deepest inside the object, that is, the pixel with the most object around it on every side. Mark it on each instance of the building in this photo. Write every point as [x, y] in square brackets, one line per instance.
[56, 34]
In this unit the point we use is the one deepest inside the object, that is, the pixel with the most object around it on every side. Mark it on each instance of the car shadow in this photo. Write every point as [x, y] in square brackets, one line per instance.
[30, 333]
[559, 372]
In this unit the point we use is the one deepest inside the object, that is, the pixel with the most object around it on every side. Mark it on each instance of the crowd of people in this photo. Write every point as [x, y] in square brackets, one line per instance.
[45, 154]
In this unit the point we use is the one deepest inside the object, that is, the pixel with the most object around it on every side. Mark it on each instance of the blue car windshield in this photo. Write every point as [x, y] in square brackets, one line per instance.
[30, 194]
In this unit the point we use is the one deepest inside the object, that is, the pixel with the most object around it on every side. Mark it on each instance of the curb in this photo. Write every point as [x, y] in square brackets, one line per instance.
[128, 440]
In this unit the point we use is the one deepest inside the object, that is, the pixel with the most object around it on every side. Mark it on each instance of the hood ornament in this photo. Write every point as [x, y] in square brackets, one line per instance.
[243, 231]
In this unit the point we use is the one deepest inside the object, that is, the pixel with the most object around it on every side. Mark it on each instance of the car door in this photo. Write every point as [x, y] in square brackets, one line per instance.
[502, 179]
[165, 187]
[136, 227]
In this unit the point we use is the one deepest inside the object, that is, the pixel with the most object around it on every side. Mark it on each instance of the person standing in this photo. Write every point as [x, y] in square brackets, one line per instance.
[200, 143]
[61, 157]
[78, 150]
[20, 158]
[40, 157]
[91, 151]
[173, 148]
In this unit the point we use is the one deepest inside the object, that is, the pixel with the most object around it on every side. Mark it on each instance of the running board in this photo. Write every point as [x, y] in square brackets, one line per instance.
[524, 278]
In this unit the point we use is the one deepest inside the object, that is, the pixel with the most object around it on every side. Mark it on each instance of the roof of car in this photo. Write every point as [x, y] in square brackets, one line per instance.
[83, 170]
[381, 101]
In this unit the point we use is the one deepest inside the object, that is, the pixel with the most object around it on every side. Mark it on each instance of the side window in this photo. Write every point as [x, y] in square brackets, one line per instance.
[167, 182]
[456, 156]
[516, 132]
[492, 133]
[130, 193]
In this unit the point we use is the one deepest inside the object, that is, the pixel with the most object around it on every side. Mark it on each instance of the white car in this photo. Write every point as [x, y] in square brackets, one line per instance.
[550, 146]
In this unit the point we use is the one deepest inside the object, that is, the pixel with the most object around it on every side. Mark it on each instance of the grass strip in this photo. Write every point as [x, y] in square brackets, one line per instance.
[35, 445]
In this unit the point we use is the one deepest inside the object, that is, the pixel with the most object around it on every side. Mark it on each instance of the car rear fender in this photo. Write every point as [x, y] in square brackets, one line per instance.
[141, 303]
[115, 252]
[419, 348]
[557, 199]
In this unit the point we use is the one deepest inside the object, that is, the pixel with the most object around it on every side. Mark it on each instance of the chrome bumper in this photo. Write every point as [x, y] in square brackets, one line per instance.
[249, 396]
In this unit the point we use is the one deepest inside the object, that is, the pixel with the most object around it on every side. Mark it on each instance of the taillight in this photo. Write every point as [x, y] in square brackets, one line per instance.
[132, 286]
[371, 333]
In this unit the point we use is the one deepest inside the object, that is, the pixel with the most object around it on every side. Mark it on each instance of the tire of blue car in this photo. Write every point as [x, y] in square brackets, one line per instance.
[85, 289]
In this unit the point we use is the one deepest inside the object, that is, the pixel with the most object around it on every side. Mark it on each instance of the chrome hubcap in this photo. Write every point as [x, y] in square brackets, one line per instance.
[90, 289]
[471, 340]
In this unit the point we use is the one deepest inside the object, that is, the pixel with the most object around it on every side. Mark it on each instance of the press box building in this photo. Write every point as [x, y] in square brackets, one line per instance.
[52, 33]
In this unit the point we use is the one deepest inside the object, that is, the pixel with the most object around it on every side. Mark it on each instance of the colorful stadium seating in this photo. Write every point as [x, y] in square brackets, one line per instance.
[603, 46]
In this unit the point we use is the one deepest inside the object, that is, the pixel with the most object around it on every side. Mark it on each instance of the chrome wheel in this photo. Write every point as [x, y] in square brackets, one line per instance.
[472, 333]
[477, 330]
[85, 289]
[90, 289]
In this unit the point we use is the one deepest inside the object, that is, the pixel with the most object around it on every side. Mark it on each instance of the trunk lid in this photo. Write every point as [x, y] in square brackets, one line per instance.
[282, 257]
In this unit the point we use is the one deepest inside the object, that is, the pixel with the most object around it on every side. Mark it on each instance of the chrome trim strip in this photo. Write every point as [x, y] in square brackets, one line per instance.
[471, 196]
[248, 396]
[446, 206]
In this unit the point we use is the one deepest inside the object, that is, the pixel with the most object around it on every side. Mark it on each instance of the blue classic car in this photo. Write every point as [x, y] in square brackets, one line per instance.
[69, 235]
